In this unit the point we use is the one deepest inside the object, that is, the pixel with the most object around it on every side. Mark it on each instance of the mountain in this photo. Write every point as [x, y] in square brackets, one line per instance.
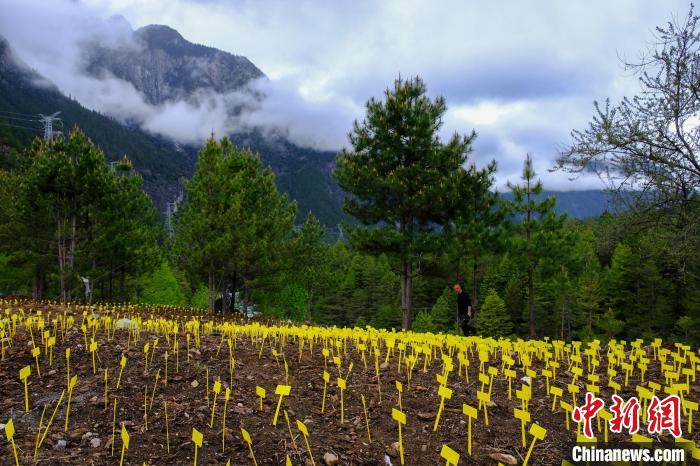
[24, 94]
[163, 66]
[578, 204]
[305, 174]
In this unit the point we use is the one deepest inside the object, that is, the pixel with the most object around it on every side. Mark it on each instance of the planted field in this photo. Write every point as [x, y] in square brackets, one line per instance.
[123, 385]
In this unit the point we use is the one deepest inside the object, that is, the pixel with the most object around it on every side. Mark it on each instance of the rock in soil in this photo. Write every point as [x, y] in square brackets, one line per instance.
[330, 459]
[393, 450]
[504, 458]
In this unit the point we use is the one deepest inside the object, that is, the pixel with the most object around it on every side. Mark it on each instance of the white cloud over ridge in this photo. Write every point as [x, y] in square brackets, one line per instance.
[522, 74]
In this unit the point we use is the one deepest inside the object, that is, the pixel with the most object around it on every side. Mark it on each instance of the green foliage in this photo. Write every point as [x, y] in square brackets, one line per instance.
[424, 323]
[387, 317]
[162, 287]
[234, 222]
[67, 215]
[402, 180]
[200, 298]
[538, 232]
[292, 303]
[444, 313]
[610, 325]
[492, 318]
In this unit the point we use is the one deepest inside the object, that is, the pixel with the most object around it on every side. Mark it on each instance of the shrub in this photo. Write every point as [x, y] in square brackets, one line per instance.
[493, 319]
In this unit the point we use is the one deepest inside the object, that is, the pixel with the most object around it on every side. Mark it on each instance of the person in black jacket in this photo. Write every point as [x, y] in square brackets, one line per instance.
[464, 309]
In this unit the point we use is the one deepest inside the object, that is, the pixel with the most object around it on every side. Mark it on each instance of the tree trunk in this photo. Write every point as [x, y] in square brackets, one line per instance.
[406, 295]
[122, 284]
[224, 301]
[211, 292]
[309, 304]
[111, 283]
[38, 284]
[475, 287]
[530, 267]
[61, 260]
[234, 290]
[531, 302]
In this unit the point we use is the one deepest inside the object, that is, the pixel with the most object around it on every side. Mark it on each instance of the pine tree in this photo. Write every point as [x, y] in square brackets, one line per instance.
[402, 180]
[424, 323]
[537, 224]
[234, 223]
[492, 319]
[444, 311]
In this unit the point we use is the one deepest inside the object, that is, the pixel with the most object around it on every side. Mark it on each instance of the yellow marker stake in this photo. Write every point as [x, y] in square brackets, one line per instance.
[556, 391]
[93, 350]
[471, 413]
[305, 432]
[282, 391]
[223, 428]
[261, 393]
[376, 370]
[10, 434]
[524, 418]
[105, 388]
[326, 378]
[249, 441]
[449, 455]
[38, 432]
[207, 392]
[165, 379]
[35, 354]
[399, 388]
[71, 385]
[538, 433]
[443, 393]
[217, 390]
[167, 427]
[125, 444]
[364, 407]
[25, 372]
[122, 363]
[46, 430]
[153, 394]
[197, 440]
[145, 407]
[342, 385]
[484, 398]
[114, 421]
[289, 427]
[400, 418]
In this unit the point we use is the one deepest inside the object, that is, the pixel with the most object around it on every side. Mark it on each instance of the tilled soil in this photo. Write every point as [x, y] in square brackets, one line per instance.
[88, 438]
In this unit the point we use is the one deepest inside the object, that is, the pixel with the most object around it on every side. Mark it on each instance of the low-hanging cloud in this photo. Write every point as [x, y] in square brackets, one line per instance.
[58, 53]
[521, 76]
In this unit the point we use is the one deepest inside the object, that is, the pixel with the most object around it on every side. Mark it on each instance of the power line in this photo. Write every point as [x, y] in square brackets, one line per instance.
[15, 113]
[7, 117]
[18, 126]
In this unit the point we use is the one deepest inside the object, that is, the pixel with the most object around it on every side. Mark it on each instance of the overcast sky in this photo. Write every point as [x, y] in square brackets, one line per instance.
[523, 74]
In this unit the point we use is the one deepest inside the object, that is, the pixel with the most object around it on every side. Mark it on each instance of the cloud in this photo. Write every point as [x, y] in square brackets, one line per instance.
[521, 75]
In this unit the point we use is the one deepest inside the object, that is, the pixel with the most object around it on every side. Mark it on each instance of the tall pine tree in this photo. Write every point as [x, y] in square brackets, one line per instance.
[403, 181]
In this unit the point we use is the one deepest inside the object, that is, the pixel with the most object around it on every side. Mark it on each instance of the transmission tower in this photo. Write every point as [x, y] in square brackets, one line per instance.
[47, 121]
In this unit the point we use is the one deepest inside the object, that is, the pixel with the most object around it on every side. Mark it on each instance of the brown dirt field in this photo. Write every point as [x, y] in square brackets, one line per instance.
[188, 407]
